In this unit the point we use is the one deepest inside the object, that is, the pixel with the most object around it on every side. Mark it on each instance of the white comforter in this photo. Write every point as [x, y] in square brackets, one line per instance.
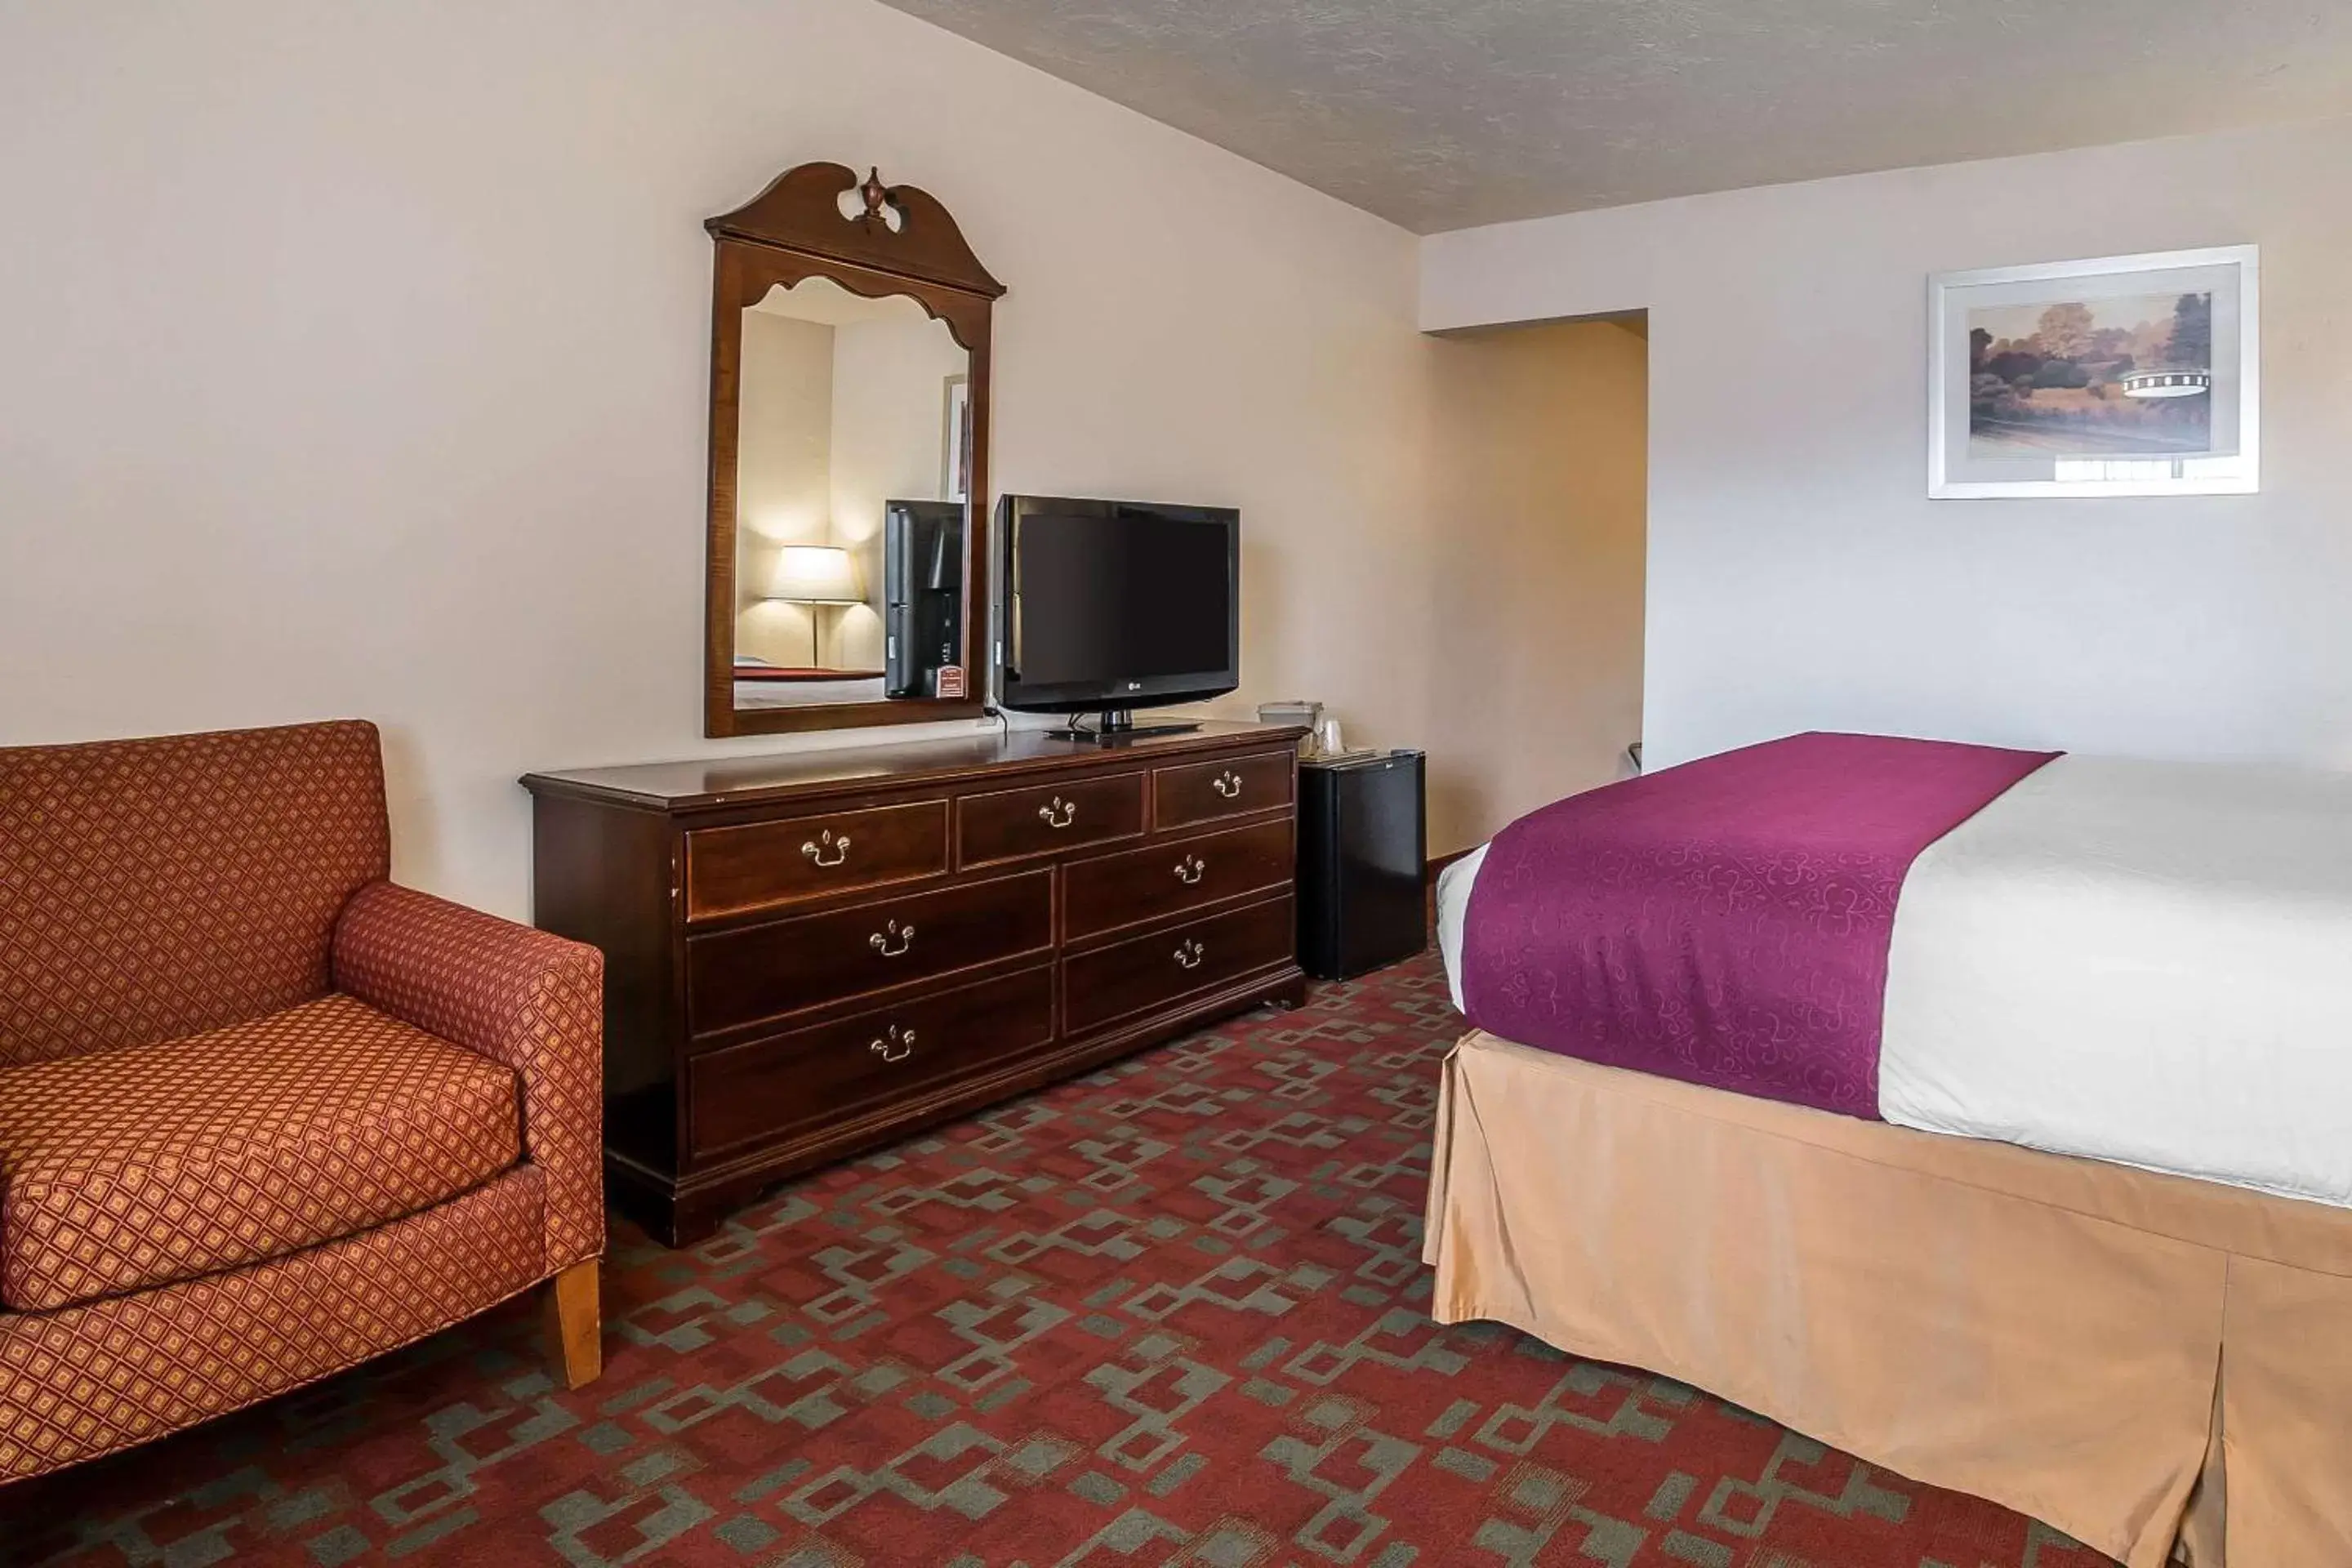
[2148, 962]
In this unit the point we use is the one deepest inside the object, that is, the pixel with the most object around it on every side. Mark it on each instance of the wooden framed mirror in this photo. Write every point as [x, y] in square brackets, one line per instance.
[848, 557]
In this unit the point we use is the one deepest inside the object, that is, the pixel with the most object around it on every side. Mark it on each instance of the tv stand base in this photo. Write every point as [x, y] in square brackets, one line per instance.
[1113, 725]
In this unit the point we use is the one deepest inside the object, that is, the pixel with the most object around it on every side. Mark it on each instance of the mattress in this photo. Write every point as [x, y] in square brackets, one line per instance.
[2146, 963]
[1453, 910]
[800, 693]
[2143, 963]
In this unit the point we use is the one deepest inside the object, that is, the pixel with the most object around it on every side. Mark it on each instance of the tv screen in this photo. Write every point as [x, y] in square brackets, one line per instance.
[1117, 604]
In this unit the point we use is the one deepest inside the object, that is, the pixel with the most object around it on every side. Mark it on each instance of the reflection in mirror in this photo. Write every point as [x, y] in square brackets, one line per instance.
[852, 460]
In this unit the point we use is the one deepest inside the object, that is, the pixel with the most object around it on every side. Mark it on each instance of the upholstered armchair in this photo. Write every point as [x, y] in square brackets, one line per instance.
[264, 1114]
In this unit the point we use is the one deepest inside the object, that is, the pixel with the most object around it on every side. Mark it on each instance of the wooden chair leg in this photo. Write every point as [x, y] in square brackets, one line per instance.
[575, 1325]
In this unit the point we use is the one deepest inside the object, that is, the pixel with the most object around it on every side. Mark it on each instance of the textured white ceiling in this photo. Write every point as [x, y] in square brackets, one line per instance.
[1444, 113]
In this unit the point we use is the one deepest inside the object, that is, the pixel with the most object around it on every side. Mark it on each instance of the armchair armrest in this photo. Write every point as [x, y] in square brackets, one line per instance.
[528, 999]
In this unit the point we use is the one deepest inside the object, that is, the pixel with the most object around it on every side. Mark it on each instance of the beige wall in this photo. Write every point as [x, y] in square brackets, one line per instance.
[1537, 576]
[890, 416]
[836, 421]
[784, 475]
[357, 362]
[1798, 575]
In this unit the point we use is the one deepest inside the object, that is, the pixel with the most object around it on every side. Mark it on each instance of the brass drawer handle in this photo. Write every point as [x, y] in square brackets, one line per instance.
[1060, 814]
[1191, 869]
[1189, 954]
[837, 848]
[1227, 784]
[903, 935]
[897, 1046]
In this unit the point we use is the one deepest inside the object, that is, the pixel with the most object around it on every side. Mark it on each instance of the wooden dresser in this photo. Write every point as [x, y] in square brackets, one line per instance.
[812, 954]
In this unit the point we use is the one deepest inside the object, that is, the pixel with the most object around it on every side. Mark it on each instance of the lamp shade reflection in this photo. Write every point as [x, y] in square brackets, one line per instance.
[816, 574]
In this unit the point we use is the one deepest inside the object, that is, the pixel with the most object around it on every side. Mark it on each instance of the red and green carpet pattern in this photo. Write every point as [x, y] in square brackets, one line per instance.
[1171, 1313]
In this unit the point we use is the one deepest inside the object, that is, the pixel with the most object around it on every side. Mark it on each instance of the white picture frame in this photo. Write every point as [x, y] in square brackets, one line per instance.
[2117, 408]
[955, 440]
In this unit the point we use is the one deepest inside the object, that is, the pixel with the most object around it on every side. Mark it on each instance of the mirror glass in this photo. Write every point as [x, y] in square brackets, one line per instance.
[853, 456]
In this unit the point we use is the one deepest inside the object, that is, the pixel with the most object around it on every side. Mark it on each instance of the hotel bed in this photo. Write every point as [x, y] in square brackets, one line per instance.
[760, 684]
[1986, 1113]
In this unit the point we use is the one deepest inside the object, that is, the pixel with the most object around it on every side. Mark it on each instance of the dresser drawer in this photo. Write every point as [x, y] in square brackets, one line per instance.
[1135, 884]
[756, 1093]
[753, 973]
[1150, 972]
[1202, 792]
[1016, 824]
[763, 865]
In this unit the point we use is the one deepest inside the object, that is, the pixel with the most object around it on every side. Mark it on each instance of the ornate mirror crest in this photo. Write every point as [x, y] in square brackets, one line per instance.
[884, 243]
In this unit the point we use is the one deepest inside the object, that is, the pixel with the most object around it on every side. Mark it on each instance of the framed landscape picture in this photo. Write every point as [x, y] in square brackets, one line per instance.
[955, 440]
[2125, 375]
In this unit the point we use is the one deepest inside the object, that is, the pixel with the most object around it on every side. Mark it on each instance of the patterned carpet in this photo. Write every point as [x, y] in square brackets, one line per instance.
[1167, 1314]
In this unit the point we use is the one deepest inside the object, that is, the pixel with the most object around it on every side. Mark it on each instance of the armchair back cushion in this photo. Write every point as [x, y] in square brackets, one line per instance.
[159, 888]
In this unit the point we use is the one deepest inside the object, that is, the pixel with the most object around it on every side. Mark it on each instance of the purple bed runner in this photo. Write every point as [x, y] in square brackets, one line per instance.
[1727, 922]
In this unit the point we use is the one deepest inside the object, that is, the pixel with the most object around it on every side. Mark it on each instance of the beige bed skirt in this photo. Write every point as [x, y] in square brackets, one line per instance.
[2141, 1361]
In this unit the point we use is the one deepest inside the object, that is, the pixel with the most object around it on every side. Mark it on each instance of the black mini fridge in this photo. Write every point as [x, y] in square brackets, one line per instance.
[1363, 844]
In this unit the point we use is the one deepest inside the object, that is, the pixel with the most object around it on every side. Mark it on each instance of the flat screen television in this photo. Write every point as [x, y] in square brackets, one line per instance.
[922, 594]
[1105, 607]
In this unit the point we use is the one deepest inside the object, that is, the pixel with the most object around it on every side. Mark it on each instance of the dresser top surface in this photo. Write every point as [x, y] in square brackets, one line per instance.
[742, 780]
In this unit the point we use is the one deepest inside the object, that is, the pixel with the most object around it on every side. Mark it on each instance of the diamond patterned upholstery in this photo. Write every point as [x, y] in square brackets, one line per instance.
[89, 1380]
[262, 1114]
[156, 1163]
[524, 998]
[160, 887]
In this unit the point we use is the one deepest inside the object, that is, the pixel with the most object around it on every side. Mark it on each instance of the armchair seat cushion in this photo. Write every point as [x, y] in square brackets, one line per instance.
[155, 1164]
